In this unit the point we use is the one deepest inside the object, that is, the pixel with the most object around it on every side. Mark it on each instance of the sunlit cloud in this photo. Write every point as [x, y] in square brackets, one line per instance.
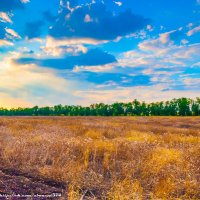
[193, 31]
[5, 43]
[82, 52]
[12, 33]
[25, 1]
[4, 17]
[144, 93]
[31, 85]
[119, 3]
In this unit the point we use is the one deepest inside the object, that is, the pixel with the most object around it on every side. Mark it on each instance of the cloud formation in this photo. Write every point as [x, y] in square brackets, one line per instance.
[95, 21]
[92, 57]
[12, 34]
[5, 43]
[88, 51]
[37, 85]
[4, 17]
[193, 31]
[59, 47]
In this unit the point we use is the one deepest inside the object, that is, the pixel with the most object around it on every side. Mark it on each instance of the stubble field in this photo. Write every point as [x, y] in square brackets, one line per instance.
[114, 158]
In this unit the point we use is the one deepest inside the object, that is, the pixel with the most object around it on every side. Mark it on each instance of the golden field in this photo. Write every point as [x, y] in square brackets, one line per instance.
[114, 158]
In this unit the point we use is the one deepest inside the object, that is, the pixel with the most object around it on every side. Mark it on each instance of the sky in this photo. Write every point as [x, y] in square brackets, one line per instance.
[80, 52]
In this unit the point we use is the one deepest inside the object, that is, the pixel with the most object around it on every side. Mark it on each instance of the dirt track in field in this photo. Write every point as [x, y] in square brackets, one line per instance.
[16, 185]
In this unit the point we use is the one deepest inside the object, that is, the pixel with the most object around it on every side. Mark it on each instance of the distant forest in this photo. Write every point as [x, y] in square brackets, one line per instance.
[175, 107]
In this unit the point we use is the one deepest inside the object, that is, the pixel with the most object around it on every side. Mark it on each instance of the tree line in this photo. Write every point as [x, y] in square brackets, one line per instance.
[175, 107]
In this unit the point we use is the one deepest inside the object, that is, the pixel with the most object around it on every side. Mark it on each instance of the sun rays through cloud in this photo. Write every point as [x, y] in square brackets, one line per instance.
[84, 51]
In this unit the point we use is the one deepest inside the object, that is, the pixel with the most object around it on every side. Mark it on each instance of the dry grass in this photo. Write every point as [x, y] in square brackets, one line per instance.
[121, 158]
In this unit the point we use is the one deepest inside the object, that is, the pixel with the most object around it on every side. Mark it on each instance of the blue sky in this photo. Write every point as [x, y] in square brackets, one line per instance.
[90, 51]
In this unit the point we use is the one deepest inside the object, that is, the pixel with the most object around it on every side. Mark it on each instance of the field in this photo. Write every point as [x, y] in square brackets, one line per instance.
[114, 158]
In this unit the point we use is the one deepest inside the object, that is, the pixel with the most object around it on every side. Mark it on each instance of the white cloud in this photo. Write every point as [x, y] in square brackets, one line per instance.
[150, 54]
[39, 40]
[159, 58]
[150, 28]
[68, 7]
[143, 93]
[164, 40]
[5, 43]
[8, 101]
[192, 81]
[66, 4]
[190, 25]
[184, 41]
[140, 34]
[12, 33]
[98, 68]
[165, 37]
[119, 3]
[189, 53]
[73, 46]
[87, 18]
[59, 51]
[71, 41]
[153, 54]
[196, 64]
[4, 17]
[28, 85]
[193, 31]
[25, 1]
